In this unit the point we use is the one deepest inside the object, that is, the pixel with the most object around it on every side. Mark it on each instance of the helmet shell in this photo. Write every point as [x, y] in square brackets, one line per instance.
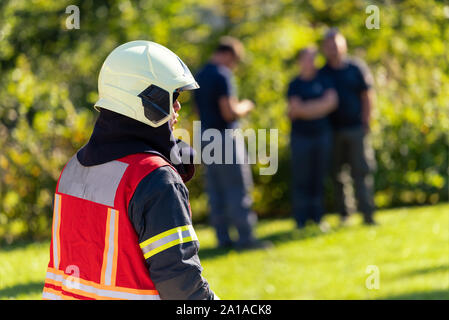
[131, 68]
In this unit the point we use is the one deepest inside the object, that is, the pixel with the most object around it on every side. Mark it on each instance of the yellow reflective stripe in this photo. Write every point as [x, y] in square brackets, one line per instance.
[167, 240]
[97, 291]
[168, 245]
[56, 230]
[109, 268]
[163, 234]
[52, 294]
[99, 285]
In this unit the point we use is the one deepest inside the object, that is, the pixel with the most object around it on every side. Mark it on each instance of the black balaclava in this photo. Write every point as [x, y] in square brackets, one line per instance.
[116, 136]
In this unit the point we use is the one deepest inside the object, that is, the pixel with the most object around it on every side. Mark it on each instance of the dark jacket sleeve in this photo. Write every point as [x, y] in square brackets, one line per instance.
[159, 204]
[363, 72]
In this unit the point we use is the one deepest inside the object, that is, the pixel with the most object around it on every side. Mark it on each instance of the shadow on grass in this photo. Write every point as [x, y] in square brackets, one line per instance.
[5, 246]
[421, 295]
[423, 271]
[293, 235]
[20, 244]
[14, 291]
[276, 238]
[210, 253]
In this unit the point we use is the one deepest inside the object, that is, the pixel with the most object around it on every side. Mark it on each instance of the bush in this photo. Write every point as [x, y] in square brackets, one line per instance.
[49, 84]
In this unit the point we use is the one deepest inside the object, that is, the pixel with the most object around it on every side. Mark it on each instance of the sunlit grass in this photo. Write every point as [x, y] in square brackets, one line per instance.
[410, 248]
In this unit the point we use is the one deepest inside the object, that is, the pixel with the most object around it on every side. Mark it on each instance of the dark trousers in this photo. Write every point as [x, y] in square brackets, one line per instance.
[352, 150]
[228, 187]
[310, 158]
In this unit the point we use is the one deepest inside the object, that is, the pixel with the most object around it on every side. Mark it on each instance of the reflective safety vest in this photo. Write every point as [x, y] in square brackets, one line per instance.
[94, 252]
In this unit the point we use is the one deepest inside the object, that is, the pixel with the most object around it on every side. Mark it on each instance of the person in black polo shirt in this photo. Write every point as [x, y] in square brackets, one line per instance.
[228, 185]
[350, 121]
[310, 98]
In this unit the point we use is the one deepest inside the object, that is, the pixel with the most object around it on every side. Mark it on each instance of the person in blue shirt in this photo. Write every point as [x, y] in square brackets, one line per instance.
[351, 126]
[311, 97]
[228, 185]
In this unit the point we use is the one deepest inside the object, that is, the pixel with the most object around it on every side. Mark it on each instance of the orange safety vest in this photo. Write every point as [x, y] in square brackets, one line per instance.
[94, 252]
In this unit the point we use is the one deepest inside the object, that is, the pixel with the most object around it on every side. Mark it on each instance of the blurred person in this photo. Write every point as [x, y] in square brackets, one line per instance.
[227, 185]
[311, 97]
[122, 222]
[351, 124]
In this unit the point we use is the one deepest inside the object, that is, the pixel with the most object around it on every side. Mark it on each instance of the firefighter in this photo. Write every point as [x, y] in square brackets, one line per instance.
[122, 225]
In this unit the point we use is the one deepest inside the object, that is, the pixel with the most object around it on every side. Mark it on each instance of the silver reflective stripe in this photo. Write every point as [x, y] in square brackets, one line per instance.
[56, 221]
[167, 239]
[50, 296]
[110, 254]
[96, 183]
[99, 292]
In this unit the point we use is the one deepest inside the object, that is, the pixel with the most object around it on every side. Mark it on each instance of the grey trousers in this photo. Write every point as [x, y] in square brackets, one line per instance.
[310, 159]
[228, 187]
[353, 151]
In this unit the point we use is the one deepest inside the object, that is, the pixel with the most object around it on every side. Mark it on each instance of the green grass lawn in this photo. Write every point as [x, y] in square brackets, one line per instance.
[410, 248]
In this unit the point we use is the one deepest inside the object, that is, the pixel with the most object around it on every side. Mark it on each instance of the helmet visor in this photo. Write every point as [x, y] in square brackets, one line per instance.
[156, 103]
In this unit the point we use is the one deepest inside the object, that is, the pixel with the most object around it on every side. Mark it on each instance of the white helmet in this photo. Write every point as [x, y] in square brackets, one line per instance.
[141, 80]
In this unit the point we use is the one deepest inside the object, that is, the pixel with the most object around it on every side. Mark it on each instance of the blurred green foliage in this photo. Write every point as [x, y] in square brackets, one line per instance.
[49, 75]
